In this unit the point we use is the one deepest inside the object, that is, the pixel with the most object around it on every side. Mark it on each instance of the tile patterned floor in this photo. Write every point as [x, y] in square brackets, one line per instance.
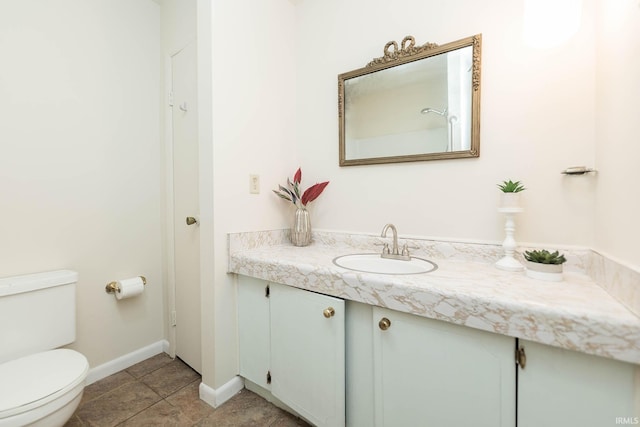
[164, 392]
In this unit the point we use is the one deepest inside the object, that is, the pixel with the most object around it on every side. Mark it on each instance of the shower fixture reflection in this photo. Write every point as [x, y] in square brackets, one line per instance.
[433, 110]
[450, 118]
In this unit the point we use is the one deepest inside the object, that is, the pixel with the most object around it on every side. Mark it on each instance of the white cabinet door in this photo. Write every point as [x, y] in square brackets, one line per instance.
[254, 342]
[432, 373]
[298, 337]
[307, 354]
[564, 388]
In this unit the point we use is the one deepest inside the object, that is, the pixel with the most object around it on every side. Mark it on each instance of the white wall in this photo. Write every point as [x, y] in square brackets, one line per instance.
[179, 24]
[254, 116]
[618, 147]
[538, 112]
[80, 158]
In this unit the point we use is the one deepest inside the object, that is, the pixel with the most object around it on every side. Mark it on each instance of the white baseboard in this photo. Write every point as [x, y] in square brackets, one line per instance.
[216, 397]
[123, 362]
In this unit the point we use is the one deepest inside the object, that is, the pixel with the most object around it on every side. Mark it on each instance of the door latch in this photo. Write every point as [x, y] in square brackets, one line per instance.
[521, 357]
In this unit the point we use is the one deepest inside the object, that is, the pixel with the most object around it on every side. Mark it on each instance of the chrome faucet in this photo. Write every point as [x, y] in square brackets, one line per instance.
[394, 252]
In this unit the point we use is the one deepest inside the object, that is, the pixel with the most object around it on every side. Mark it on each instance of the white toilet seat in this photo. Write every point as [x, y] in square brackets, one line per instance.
[34, 381]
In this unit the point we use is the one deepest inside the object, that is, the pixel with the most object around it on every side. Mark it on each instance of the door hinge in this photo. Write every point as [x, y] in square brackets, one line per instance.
[173, 318]
[267, 291]
[521, 357]
[171, 99]
[268, 377]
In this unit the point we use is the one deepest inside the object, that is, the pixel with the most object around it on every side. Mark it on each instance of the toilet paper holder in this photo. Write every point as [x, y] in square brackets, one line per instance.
[112, 287]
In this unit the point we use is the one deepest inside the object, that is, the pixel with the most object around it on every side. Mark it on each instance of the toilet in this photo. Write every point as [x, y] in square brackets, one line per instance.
[40, 384]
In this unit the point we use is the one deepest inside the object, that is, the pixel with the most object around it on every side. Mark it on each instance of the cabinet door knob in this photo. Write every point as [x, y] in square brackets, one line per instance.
[191, 220]
[384, 323]
[329, 312]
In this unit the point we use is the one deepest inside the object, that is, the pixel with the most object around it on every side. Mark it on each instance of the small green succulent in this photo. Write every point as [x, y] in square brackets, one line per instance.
[511, 187]
[543, 256]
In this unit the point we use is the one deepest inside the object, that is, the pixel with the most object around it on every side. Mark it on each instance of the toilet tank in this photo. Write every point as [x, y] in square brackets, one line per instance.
[37, 312]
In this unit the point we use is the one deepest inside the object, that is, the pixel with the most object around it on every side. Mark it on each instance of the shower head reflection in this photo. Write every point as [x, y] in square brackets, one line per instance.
[433, 110]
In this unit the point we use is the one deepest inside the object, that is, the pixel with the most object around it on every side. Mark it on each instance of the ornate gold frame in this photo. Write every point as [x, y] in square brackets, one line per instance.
[395, 55]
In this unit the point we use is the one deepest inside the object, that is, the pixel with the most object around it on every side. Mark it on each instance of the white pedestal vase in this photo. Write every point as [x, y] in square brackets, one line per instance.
[508, 262]
[548, 272]
[510, 201]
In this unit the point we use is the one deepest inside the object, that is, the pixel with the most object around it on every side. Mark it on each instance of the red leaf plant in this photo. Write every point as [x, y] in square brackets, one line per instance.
[291, 192]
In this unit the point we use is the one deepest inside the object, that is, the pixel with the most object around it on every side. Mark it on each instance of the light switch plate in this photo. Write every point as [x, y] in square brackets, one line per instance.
[254, 184]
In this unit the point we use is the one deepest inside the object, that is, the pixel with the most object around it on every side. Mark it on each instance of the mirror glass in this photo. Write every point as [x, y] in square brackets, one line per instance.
[414, 103]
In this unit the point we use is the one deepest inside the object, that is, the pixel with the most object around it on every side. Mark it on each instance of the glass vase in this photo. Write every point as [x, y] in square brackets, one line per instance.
[301, 229]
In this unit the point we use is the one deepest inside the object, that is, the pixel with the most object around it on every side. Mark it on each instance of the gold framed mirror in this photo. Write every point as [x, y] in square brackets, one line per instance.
[414, 103]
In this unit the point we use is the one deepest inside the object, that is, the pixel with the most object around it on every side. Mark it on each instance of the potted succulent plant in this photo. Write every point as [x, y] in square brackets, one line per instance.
[511, 193]
[544, 265]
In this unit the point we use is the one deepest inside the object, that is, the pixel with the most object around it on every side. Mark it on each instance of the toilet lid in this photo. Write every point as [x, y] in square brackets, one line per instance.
[39, 376]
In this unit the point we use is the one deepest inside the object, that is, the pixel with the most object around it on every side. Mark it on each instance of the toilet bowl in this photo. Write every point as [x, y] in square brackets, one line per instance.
[42, 389]
[41, 384]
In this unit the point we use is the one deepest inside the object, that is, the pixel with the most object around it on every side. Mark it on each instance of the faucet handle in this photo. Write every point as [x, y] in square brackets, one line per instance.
[406, 247]
[385, 247]
[405, 250]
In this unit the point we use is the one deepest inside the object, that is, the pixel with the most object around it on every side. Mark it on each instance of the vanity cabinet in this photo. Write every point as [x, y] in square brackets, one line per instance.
[559, 387]
[292, 343]
[428, 372]
[336, 362]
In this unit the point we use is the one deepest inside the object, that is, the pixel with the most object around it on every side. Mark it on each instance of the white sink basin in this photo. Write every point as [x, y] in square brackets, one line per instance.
[374, 263]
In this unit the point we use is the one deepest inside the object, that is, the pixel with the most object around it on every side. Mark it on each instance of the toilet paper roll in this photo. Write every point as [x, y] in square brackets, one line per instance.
[130, 287]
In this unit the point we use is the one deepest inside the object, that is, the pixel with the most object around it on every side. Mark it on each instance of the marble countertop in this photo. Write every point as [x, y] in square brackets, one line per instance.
[465, 289]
